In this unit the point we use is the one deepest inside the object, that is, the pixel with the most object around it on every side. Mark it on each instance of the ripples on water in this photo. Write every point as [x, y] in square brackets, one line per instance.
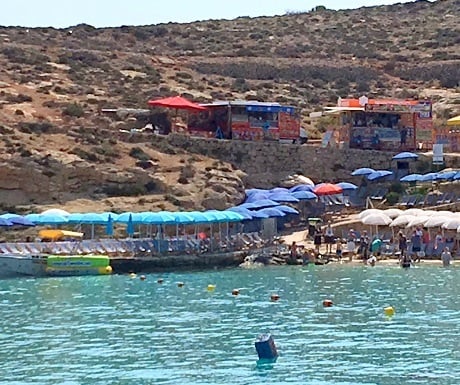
[119, 330]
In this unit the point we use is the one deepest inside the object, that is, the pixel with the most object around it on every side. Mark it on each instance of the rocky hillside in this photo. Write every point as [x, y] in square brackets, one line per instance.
[58, 147]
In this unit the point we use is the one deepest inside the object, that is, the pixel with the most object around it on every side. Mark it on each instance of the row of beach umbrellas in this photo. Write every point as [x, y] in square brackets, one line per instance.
[413, 217]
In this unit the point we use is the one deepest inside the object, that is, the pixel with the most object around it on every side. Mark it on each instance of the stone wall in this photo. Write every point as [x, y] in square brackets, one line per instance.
[269, 163]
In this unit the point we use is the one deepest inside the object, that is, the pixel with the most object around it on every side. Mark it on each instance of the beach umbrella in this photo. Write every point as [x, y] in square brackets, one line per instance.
[248, 205]
[271, 212]
[50, 219]
[449, 175]
[58, 212]
[130, 225]
[346, 186]
[304, 180]
[158, 218]
[436, 221]
[109, 226]
[417, 221]
[457, 176]
[252, 191]
[264, 203]
[134, 218]
[411, 178]
[362, 171]
[5, 222]
[393, 213]
[405, 156]
[379, 174]
[283, 197]
[327, 189]
[287, 209]
[183, 218]
[430, 177]
[376, 219]
[257, 197]
[216, 216]
[108, 214]
[367, 212]
[304, 195]
[414, 211]
[87, 218]
[452, 224]
[17, 219]
[279, 190]
[247, 214]
[198, 217]
[301, 187]
[402, 220]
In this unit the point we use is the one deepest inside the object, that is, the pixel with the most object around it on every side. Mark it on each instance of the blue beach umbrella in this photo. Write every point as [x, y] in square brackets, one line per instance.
[457, 176]
[263, 203]
[379, 174]
[17, 219]
[135, 218]
[362, 171]
[429, 177]
[158, 218]
[287, 209]
[304, 195]
[346, 186]
[130, 226]
[46, 219]
[411, 178]
[247, 214]
[109, 226]
[448, 175]
[257, 197]
[253, 191]
[301, 187]
[283, 197]
[272, 212]
[183, 218]
[249, 205]
[278, 190]
[405, 156]
[5, 222]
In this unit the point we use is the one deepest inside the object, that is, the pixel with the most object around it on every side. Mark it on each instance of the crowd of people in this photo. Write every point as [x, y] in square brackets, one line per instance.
[409, 248]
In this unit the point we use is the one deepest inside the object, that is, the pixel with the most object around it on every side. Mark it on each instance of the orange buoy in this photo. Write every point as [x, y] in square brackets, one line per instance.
[142, 277]
[327, 303]
[235, 292]
[180, 284]
[160, 280]
[274, 297]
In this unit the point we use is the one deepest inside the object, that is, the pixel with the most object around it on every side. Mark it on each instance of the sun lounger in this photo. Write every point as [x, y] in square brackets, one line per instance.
[404, 200]
[441, 198]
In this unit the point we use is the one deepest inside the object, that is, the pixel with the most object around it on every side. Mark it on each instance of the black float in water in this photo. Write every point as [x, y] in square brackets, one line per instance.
[265, 346]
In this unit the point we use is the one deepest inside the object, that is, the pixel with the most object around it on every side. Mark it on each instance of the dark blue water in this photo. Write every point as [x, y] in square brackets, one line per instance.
[122, 330]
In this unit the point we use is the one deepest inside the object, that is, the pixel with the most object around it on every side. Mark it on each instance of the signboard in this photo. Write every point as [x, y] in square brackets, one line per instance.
[399, 108]
[438, 154]
[288, 125]
[327, 138]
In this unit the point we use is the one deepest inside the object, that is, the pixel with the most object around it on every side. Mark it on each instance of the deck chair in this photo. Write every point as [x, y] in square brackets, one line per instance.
[404, 201]
[412, 201]
[440, 199]
[108, 245]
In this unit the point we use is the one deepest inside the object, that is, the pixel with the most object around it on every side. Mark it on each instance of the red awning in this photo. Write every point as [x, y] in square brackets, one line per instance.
[177, 102]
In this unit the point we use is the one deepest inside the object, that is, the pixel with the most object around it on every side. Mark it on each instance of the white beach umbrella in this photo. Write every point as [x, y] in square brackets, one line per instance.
[58, 212]
[367, 212]
[413, 211]
[393, 213]
[402, 220]
[452, 224]
[458, 229]
[376, 219]
[430, 213]
[418, 221]
[437, 220]
[445, 213]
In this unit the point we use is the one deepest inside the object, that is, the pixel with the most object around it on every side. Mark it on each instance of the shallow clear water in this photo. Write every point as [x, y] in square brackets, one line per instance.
[120, 330]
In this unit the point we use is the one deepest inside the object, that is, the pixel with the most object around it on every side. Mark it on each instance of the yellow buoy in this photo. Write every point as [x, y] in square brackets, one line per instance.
[211, 287]
[133, 275]
[108, 270]
[180, 284]
[389, 311]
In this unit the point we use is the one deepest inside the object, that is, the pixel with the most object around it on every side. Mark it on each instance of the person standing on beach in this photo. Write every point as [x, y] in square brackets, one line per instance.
[364, 245]
[416, 241]
[329, 237]
[317, 238]
[446, 257]
[351, 244]
[338, 249]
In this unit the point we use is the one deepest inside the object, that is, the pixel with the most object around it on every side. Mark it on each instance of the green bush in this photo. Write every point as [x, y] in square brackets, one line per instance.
[73, 109]
[138, 153]
[392, 198]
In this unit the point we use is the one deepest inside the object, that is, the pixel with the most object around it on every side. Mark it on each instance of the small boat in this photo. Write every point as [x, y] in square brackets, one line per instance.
[44, 265]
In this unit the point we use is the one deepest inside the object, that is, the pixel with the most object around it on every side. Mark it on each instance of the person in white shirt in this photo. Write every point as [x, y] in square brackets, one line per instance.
[303, 136]
[446, 257]
[329, 237]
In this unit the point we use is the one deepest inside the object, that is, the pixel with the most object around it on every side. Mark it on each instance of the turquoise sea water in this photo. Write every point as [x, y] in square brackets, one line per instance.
[122, 330]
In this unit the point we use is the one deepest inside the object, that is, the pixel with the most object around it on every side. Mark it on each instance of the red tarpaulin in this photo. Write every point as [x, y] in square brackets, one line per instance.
[327, 189]
[177, 102]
